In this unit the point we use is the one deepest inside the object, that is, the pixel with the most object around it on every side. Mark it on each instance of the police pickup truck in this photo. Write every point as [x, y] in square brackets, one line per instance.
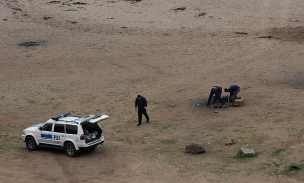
[70, 133]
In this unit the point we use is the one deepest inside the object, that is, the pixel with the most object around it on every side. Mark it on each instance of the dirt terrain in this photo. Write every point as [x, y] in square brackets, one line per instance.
[96, 56]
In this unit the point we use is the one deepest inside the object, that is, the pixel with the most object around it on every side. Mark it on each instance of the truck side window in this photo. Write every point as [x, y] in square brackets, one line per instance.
[59, 128]
[47, 127]
[71, 129]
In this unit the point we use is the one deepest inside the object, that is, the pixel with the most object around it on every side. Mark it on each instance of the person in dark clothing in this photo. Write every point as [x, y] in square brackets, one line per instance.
[234, 90]
[141, 105]
[217, 91]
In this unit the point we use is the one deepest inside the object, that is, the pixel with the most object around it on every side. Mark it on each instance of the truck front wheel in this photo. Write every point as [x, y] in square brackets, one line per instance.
[31, 144]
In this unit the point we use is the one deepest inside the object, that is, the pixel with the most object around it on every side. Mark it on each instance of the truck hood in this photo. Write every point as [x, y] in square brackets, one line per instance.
[34, 127]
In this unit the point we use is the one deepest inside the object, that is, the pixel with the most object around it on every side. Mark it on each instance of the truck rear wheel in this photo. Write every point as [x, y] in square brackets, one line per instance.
[70, 150]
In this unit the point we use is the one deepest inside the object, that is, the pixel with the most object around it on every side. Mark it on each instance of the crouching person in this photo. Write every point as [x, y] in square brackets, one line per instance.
[234, 90]
[217, 91]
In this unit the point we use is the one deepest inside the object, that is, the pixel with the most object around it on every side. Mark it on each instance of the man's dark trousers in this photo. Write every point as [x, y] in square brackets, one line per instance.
[217, 94]
[141, 111]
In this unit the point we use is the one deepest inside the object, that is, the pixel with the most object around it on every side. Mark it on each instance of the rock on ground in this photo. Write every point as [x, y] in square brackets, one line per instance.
[195, 147]
[246, 152]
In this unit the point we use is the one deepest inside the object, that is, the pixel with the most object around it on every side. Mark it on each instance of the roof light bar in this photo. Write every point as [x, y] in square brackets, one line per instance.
[56, 118]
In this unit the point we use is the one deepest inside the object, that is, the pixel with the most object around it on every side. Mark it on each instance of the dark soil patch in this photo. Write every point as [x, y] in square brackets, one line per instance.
[244, 33]
[30, 43]
[202, 14]
[267, 37]
[182, 8]
[80, 3]
[47, 18]
[297, 81]
[54, 2]
[231, 143]
[287, 34]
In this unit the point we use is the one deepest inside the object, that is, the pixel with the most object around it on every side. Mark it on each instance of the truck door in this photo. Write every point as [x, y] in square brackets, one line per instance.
[59, 135]
[45, 134]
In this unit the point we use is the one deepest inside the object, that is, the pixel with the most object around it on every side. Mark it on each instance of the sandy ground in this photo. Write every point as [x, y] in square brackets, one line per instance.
[96, 56]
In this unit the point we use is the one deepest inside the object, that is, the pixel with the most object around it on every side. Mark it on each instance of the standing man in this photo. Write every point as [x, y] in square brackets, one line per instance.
[141, 104]
[234, 90]
[217, 91]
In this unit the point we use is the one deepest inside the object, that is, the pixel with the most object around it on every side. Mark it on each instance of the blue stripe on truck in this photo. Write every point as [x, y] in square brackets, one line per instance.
[45, 136]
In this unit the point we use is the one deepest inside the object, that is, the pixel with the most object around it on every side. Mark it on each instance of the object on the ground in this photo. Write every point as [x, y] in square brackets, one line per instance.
[70, 10]
[295, 167]
[72, 22]
[266, 37]
[18, 9]
[28, 44]
[246, 152]
[231, 143]
[219, 105]
[215, 103]
[239, 102]
[225, 105]
[226, 98]
[202, 14]
[182, 8]
[47, 18]
[54, 2]
[80, 3]
[195, 147]
[245, 33]
[133, 1]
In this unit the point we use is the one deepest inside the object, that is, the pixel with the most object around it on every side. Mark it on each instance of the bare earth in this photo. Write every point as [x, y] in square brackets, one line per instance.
[96, 56]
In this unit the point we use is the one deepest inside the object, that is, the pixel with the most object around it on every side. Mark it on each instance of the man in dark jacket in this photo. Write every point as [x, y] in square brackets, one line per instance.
[217, 91]
[234, 90]
[141, 104]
